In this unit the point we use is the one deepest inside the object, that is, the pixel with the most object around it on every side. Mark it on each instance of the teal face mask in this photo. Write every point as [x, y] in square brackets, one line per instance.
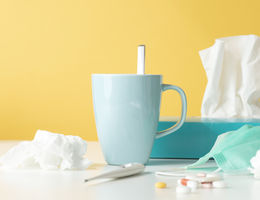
[233, 150]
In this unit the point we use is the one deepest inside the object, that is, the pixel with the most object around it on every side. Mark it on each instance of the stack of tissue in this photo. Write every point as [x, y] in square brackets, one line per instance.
[232, 65]
[50, 151]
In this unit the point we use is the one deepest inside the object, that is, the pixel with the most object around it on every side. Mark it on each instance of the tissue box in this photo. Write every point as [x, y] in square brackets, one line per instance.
[195, 138]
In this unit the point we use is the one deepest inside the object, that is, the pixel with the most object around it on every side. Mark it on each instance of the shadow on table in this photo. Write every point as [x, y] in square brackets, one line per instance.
[153, 162]
[111, 180]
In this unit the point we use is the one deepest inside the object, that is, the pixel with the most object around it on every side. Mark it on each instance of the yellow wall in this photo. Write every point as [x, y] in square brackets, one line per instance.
[49, 48]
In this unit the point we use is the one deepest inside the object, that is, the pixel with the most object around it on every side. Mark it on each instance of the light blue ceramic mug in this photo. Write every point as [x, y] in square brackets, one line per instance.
[127, 108]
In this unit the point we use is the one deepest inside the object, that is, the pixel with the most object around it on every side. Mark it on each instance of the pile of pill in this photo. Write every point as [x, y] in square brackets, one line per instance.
[201, 180]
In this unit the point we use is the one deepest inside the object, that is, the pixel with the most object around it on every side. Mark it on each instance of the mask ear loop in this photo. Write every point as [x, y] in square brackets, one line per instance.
[217, 170]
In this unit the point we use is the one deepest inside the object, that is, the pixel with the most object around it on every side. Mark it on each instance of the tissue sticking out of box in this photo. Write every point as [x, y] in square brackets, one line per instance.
[48, 151]
[232, 65]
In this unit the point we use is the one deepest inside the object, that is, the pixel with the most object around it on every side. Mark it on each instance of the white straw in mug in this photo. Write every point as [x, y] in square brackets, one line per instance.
[141, 59]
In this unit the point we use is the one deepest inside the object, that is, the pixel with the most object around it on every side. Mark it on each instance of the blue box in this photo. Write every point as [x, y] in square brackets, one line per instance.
[195, 138]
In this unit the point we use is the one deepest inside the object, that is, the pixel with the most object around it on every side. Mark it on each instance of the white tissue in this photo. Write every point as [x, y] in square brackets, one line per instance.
[255, 162]
[232, 65]
[50, 151]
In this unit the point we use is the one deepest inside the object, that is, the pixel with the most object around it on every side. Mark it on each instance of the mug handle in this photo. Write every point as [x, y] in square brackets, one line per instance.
[176, 126]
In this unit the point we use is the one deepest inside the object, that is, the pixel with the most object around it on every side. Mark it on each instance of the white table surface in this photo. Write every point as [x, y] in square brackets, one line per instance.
[48, 185]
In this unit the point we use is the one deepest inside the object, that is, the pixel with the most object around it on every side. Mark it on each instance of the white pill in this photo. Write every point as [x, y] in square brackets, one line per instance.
[201, 174]
[219, 184]
[192, 184]
[182, 190]
[207, 185]
[210, 179]
[214, 175]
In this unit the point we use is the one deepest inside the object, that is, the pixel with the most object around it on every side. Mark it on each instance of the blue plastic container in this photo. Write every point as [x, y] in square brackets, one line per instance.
[195, 138]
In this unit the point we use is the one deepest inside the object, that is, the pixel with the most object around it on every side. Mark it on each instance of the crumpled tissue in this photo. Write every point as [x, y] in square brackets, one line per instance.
[255, 162]
[48, 151]
[232, 66]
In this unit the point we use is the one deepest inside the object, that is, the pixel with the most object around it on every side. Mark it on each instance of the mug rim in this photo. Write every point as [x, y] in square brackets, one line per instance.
[126, 75]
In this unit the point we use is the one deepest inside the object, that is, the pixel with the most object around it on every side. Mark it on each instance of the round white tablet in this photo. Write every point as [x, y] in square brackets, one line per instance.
[182, 190]
[207, 185]
[201, 174]
[192, 184]
[219, 184]
[214, 175]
